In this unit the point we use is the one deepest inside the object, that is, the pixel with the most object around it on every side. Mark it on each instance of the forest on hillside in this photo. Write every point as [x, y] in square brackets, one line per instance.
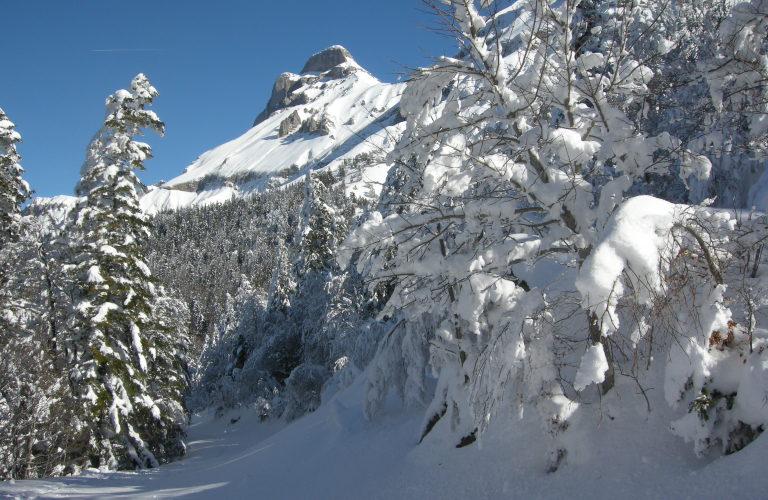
[577, 201]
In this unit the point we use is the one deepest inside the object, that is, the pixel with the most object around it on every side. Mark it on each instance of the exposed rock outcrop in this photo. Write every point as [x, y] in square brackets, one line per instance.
[326, 62]
[327, 59]
[338, 72]
[282, 94]
[287, 125]
[314, 127]
[189, 186]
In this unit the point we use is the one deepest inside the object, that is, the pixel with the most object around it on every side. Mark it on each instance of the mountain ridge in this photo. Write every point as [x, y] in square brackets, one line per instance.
[331, 112]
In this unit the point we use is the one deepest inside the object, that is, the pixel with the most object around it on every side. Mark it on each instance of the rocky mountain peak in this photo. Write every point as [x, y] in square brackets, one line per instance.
[327, 59]
[327, 118]
[329, 63]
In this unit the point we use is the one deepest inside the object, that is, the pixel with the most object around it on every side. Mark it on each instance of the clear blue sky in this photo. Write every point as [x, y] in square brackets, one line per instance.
[213, 63]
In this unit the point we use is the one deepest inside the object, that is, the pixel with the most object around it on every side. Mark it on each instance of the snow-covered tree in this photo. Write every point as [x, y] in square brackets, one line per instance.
[13, 189]
[735, 131]
[36, 435]
[314, 320]
[126, 356]
[319, 228]
[282, 285]
[224, 380]
[35, 404]
[516, 154]
[41, 434]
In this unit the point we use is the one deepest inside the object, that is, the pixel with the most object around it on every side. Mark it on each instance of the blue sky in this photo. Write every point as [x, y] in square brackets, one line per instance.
[213, 64]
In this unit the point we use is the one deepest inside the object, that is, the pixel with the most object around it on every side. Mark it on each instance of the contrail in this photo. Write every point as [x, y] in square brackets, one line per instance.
[122, 50]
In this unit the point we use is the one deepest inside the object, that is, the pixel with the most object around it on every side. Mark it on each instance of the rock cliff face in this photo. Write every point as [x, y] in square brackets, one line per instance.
[282, 95]
[287, 125]
[323, 118]
[312, 126]
[327, 59]
[332, 63]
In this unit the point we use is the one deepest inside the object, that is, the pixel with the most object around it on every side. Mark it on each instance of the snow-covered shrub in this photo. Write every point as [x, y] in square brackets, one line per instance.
[36, 412]
[504, 198]
[686, 281]
[303, 389]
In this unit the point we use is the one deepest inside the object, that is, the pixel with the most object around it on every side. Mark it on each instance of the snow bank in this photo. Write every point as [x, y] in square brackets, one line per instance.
[335, 453]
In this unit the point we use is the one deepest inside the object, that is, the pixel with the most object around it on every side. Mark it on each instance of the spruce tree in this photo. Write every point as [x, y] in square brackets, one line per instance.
[318, 229]
[282, 286]
[128, 364]
[34, 431]
[13, 189]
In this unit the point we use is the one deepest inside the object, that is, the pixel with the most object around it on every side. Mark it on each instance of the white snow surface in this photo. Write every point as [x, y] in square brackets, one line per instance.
[335, 453]
[57, 207]
[592, 369]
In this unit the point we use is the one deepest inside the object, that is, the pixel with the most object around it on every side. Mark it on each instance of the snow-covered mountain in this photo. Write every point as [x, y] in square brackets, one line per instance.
[332, 111]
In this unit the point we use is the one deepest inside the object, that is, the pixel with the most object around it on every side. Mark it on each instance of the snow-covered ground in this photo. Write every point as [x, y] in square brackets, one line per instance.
[621, 451]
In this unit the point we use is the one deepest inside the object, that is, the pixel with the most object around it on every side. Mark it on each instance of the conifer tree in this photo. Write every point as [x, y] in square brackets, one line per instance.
[316, 234]
[13, 189]
[127, 366]
[36, 435]
[282, 286]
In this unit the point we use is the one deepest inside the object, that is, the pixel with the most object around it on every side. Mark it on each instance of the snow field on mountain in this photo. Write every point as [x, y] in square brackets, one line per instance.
[354, 106]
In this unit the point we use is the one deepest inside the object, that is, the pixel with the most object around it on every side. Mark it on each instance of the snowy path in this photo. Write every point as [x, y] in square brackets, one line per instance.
[335, 453]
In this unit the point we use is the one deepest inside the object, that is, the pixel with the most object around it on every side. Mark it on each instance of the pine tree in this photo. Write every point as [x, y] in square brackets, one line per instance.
[282, 286]
[35, 406]
[318, 229]
[13, 189]
[128, 363]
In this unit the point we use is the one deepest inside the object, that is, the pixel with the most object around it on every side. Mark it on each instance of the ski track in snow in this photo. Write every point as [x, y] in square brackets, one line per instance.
[621, 452]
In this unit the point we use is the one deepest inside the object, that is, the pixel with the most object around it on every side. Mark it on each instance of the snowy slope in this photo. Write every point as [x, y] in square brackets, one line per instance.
[334, 453]
[57, 207]
[352, 112]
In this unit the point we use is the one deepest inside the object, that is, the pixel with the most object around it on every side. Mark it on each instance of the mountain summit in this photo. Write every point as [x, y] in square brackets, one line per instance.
[324, 117]
[332, 63]
[327, 59]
